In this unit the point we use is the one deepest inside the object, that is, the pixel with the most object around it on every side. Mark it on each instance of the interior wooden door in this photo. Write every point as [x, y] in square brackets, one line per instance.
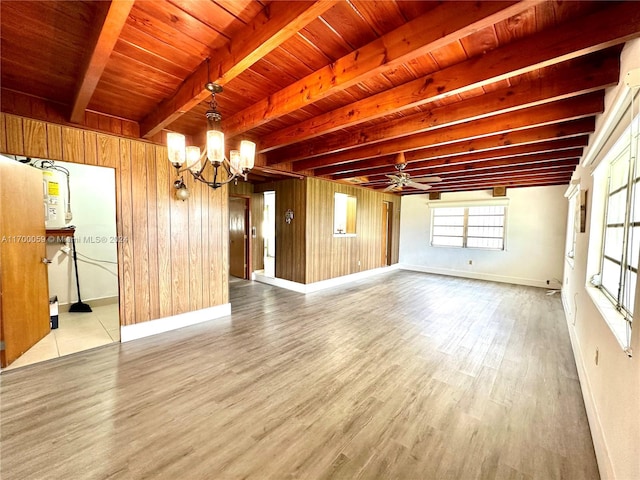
[24, 310]
[238, 236]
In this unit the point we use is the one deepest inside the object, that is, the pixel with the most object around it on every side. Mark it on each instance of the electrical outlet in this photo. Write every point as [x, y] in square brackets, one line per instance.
[470, 262]
[597, 355]
[358, 262]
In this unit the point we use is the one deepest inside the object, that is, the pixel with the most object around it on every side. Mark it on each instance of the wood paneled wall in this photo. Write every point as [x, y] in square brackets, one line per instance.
[173, 257]
[291, 237]
[328, 256]
[310, 253]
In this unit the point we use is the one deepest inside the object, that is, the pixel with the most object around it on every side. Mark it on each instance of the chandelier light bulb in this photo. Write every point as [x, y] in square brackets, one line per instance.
[247, 154]
[176, 148]
[234, 162]
[193, 159]
[215, 146]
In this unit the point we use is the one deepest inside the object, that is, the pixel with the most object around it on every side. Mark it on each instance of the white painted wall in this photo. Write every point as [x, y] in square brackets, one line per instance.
[612, 388]
[536, 225]
[93, 204]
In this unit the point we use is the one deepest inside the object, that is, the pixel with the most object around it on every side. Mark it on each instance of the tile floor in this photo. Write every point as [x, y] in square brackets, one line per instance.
[76, 332]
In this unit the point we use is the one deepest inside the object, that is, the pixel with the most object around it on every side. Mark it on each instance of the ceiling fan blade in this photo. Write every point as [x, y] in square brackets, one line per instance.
[426, 179]
[393, 178]
[419, 186]
[389, 188]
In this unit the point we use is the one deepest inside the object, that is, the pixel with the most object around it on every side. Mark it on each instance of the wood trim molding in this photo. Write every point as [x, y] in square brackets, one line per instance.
[16, 103]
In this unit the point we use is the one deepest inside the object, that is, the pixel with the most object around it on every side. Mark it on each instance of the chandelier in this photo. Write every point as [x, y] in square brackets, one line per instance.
[237, 165]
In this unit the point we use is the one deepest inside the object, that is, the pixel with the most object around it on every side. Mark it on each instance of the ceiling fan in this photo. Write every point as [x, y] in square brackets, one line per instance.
[402, 179]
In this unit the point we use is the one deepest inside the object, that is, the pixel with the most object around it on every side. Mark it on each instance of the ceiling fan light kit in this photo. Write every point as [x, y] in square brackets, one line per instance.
[402, 179]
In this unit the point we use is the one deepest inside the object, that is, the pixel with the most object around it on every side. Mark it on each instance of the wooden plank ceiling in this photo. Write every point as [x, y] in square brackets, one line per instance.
[481, 94]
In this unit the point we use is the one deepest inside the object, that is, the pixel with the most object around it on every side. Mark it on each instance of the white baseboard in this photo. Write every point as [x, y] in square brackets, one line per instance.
[161, 325]
[316, 286]
[605, 466]
[279, 282]
[475, 275]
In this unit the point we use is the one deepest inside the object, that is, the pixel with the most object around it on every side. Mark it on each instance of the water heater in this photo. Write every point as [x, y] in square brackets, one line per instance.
[54, 192]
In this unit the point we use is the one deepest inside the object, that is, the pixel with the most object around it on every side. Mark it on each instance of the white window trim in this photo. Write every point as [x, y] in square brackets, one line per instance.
[612, 317]
[502, 202]
[495, 202]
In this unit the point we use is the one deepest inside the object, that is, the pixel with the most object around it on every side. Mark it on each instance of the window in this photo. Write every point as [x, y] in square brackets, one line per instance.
[614, 242]
[621, 236]
[469, 227]
[344, 215]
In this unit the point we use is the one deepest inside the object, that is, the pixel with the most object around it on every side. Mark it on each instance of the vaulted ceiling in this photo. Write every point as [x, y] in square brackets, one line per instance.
[482, 94]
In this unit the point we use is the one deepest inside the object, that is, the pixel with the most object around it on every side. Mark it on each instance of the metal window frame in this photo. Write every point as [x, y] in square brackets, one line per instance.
[618, 299]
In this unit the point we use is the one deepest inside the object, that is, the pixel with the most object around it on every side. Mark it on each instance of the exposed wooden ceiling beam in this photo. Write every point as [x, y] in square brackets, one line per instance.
[537, 176]
[278, 22]
[423, 158]
[515, 170]
[543, 181]
[493, 165]
[439, 27]
[562, 181]
[272, 172]
[574, 78]
[106, 32]
[520, 171]
[608, 27]
[561, 111]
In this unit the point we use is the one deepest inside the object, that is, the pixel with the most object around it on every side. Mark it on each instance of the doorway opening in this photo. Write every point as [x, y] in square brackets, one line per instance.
[79, 221]
[269, 232]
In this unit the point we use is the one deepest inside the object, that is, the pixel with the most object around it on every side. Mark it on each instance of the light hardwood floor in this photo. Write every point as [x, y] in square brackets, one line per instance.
[402, 376]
